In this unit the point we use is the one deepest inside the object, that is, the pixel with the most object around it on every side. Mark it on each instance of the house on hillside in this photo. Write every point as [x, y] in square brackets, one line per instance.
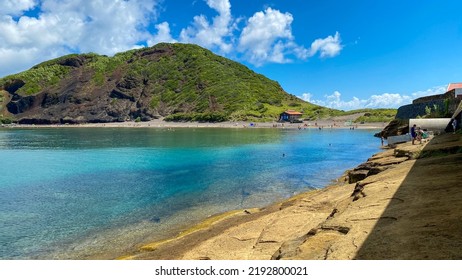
[457, 87]
[290, 116]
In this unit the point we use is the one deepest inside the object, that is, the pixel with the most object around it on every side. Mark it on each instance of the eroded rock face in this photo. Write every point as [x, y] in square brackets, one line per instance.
[73, 61]
[357, 175]
[394, 128]
[14, 85]
[19, 104]
[77, 100]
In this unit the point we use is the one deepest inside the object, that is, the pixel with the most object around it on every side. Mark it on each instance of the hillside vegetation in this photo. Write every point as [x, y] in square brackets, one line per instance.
[180, 82]
[374, 115]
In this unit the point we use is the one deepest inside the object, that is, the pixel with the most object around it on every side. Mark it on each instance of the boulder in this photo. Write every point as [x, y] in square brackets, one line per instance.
[357, 175]
[394, 128]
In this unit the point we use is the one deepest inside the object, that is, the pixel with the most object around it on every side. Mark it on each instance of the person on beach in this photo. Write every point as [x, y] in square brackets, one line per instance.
[413, 133]
[419, 134]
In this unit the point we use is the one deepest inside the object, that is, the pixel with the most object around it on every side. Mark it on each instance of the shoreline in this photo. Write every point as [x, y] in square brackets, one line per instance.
[341, 221]
[158, 123]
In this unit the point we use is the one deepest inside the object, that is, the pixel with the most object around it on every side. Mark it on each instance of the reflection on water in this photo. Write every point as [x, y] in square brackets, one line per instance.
[97, 138]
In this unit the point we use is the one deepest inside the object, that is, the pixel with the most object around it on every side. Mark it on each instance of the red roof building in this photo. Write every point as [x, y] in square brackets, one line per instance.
[290, 115]
[457, 87]
[452, 86]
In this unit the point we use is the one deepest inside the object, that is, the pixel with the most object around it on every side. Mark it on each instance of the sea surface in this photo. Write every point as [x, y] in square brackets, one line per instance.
[72, 193]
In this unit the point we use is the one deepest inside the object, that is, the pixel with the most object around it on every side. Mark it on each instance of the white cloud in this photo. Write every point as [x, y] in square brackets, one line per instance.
[335, 101]
[63, 26]
[18, 60]
[327, 47]
[53, 28]
[16, 7]
[268, 37]
[103, 26]
[385, 100]
[431, 91]
[163, 35]
[215, 34]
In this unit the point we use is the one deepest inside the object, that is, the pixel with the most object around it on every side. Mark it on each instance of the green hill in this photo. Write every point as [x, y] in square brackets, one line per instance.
[180, 82]
[374, 115]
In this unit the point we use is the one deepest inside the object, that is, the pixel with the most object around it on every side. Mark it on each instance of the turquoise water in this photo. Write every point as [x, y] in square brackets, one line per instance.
[97, 192]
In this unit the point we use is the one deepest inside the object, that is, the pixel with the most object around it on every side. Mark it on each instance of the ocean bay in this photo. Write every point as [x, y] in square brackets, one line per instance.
[96, 192]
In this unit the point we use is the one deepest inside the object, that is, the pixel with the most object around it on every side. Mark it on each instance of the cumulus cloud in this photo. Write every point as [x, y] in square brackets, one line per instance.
[327, 47]
[431, 91]
[211, 34]
[268, 37]
[104, 26]
[163, 35]
[335, 101]
[32, 31]
[63, 26]
[16, 7]
[385, 100]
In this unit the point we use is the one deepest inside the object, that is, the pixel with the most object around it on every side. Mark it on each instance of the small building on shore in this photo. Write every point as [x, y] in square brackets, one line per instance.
[457, 87]
[290, 116]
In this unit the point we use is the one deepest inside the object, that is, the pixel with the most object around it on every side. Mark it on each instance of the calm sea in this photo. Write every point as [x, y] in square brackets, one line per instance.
[97, 192]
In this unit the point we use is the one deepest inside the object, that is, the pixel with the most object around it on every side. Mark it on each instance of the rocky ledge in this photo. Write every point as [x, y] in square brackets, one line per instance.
[408, 205]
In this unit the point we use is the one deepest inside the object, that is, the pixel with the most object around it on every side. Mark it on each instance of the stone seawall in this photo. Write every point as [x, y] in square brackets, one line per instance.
[448, 95]
[412, 111]
[446, 103]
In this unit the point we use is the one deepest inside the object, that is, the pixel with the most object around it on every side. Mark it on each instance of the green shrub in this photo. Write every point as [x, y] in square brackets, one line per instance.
[375, 115]
[5, 120]
[197, 117]
[38, 78]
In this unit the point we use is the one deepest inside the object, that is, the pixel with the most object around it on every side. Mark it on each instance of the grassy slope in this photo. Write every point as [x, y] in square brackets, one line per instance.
[375, 115]
[186, 81]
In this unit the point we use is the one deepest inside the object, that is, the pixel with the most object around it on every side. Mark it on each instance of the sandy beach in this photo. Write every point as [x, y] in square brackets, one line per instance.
[409, 207]
[339, 122]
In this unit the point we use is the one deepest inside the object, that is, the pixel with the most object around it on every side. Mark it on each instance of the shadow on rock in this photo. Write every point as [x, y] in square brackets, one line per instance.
[423, 219]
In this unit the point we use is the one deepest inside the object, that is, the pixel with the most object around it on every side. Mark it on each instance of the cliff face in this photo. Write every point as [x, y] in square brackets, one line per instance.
[185, 82]
[65, 91]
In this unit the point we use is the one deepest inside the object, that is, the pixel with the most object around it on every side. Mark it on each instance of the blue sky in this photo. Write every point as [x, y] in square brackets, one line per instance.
[336, 53]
